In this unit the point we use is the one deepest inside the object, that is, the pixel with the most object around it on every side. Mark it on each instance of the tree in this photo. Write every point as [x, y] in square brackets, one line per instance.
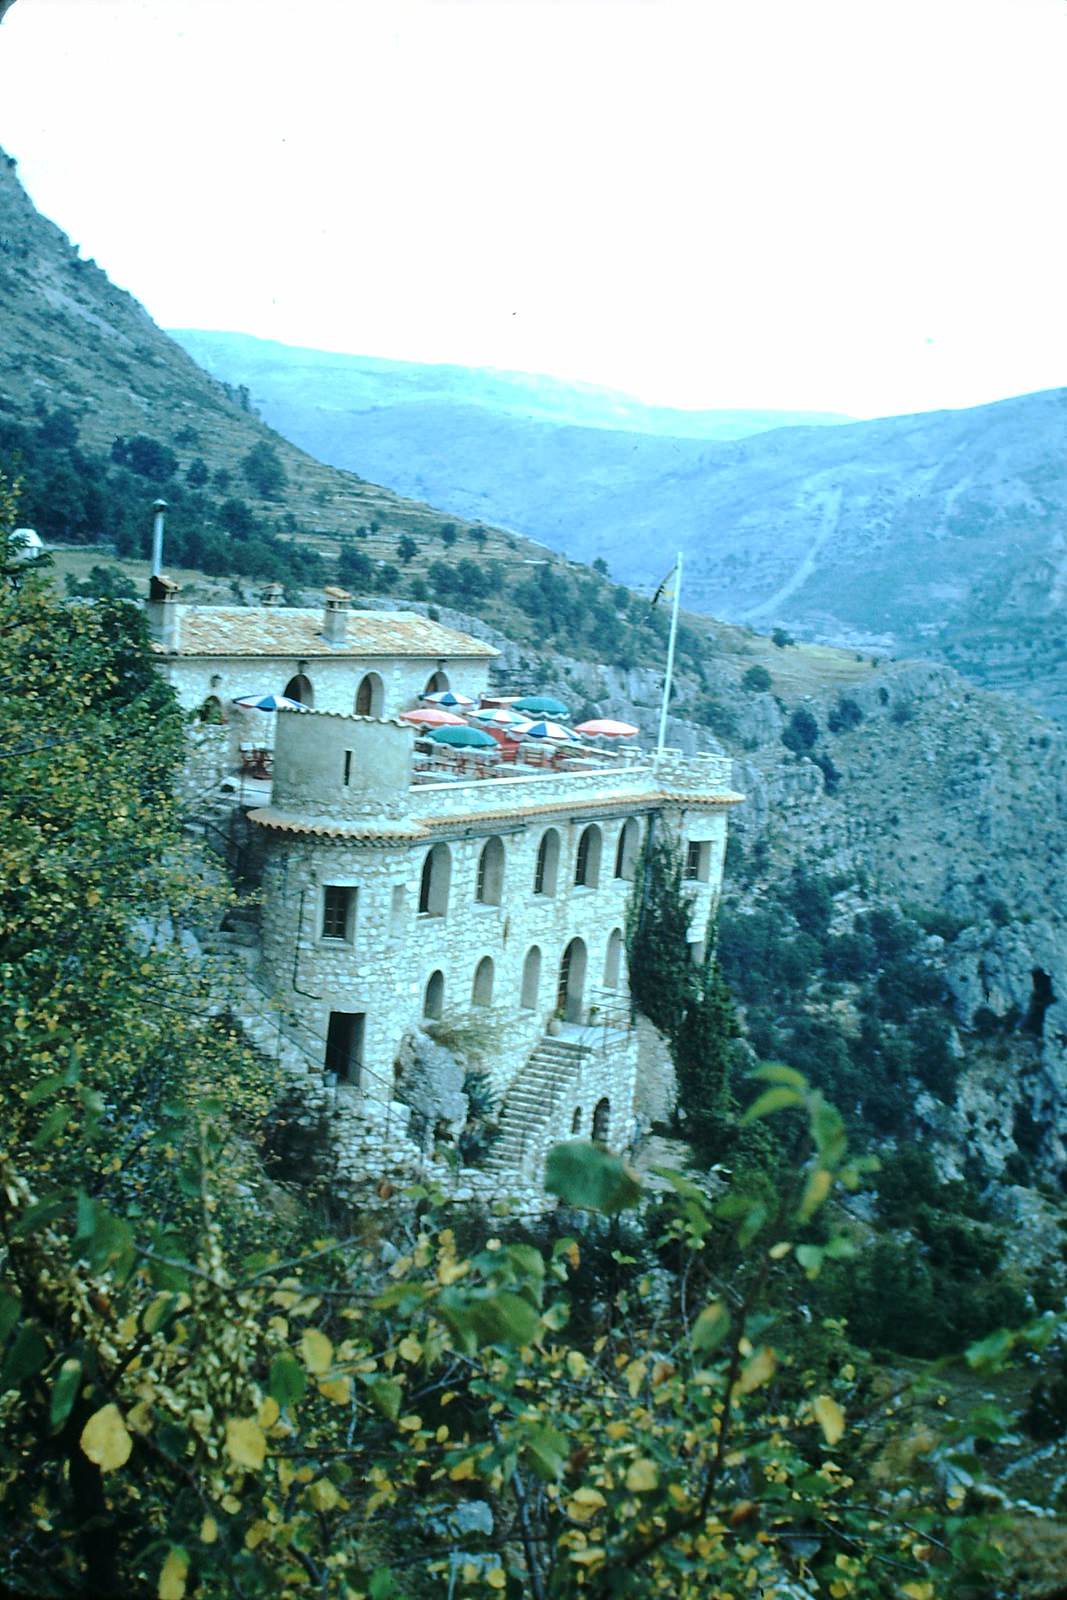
[406, 548]
[263, 469]
[354, 569]
[197, 474]
[800, 732]
[757, 680]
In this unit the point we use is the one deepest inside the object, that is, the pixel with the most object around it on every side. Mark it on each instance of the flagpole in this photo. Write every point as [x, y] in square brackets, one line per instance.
[670, 658]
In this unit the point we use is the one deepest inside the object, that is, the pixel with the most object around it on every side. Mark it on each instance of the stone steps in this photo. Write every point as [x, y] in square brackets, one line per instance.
[531, 1104]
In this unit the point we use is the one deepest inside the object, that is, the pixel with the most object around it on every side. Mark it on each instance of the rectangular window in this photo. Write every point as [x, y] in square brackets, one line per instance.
[344, 1045]
[338, 912]
[348, 768]
[698, 859]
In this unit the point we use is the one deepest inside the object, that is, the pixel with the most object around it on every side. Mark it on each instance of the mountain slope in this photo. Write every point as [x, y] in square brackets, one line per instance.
[315, 384]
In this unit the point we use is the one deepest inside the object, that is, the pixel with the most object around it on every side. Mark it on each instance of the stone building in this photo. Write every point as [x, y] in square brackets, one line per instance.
[375, 663]
[493, 902]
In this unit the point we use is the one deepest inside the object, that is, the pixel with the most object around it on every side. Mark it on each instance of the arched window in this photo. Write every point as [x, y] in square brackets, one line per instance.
[613, 960]
[435, 882]
[547, 866]
[602, 1121]
[587, 861]
[370, 696]
[434, 1000]
[531, 978]
[576, 1120]
[570, 991]
[436, 682]
[626, 851]
[299, 688]
[489, 885]
[211, 711]
[482, 988]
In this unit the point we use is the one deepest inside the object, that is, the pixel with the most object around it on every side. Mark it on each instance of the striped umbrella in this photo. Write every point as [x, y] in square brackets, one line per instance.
[550, 730]
[607, 728]
[447, 697]
[502, 716]
[268, 702]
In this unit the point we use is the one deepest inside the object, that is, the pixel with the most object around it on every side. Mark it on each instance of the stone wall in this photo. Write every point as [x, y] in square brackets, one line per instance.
[334, 682]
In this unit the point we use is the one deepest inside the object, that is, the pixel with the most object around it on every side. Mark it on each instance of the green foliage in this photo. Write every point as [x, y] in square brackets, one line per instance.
[103, 583]
[757, 680]
[263, 470]
[780, 638]
[844, 715]
[75, 496]
[354, 569]
[800, 732]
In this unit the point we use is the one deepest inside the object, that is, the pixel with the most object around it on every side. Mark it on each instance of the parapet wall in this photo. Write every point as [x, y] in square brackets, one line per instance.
[341, 767]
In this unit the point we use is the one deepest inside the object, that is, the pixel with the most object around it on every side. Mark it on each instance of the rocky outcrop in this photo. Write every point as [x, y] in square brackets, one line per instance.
[429, 1079]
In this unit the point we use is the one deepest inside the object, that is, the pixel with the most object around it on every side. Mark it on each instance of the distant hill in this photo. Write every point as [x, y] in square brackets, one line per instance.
[943, 534]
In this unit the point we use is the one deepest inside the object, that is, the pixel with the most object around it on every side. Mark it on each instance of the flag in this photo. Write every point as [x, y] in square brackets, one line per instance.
[667, 587]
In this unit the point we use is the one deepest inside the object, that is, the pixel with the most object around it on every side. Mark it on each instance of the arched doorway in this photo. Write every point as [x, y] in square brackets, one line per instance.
[370, 696]
[571, 989]
[587, 859]
[531, 979]
[299, 688]
[435, 881]
[211, 711]
[613, 960]
[547, 865]
[602, 1121]
[626, 850]
[437, 682]
[482, 988]
[434, 1000]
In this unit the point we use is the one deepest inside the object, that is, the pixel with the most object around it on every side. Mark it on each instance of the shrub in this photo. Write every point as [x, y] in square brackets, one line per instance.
[757, 680]
[844, 715]
[800, 732]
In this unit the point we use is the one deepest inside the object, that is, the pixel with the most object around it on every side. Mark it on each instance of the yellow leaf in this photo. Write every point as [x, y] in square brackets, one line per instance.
[830, 1417]
[323, 1495]
[269, 1413]
[635, 1377]
[577, 1365]
[410, 1348]
[462, 1469]
[642, 1475]
[209, 1531]
[918, 1591]
[104, 1439]
[256, 1534]
[757, 1371]
[449, 1271]
[316, 1350]
[496, 1578]
[584, 1504]
[245, 1442]
[173, 1576]
[815, 1192]
[336, 1389]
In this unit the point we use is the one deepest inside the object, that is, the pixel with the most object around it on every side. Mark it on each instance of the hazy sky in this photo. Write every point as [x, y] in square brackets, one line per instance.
[854, 205]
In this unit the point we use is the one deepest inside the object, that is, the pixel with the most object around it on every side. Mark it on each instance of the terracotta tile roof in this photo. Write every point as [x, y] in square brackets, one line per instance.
[324, 828]
[291, 632]
[426, 826]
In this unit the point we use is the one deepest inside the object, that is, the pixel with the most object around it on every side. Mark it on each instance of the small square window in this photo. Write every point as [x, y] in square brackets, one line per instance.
[338, 912]
[698, 859]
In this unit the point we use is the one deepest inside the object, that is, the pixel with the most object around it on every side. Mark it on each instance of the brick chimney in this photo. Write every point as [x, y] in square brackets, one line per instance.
[272, 594]
[164, 614]
[335, 617]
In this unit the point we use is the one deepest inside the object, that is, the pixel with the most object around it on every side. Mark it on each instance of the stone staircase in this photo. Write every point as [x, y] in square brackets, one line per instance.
[535, 1109]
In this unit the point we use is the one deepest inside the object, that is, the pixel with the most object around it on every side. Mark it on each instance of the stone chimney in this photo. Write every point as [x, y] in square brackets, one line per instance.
[273, 594]
[164, 614]
[335, 617]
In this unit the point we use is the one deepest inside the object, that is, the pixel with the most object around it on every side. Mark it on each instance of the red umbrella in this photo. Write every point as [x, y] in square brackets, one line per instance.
[433, 717]
[608, 728]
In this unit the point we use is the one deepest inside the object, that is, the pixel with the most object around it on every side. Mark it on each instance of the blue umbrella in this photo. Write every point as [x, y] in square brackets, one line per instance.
[545, 705]
[268, 702]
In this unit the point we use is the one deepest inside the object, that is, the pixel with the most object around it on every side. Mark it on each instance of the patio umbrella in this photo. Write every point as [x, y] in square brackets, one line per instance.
[268, 702]
[550, 730]
[466, 737]
[501, 716]
[546, 705]
[607, 728]
[433, 717]
[447, 697]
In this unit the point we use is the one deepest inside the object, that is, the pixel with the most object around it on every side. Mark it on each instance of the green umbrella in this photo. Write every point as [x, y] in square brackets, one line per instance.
[466, 737]
[546, 705]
